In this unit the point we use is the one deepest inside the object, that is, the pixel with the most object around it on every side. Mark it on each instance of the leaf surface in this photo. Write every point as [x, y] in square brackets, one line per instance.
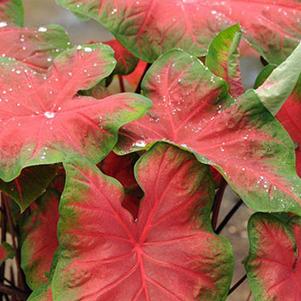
[168, 253]
[289, 116]
[238, 137]
[274, 262]
[126, 61]
[11, 11]
[6, 251]
[31, 184]
[47, 118]
[40, 242]
[223, 58]
[34, 47]
[281, 82]
[149, 28]
[121, 168]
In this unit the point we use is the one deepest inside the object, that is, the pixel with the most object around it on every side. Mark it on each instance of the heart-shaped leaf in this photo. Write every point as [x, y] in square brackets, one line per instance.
[168, 253]
[29, 185]
[34, 47]
[11, 11]
[40, 242]
[274, 262]
[223, 58]
[240, 138]
[150, 28]
[49, 121]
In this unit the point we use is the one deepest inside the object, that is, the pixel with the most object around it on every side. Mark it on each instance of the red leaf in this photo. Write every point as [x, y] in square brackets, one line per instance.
[49, 121]
[150, 28]
[274, 263]
[121, 168]
[168, 253]
[126, 61]
[240, 138]
[34, 47]
[40, 242]
[11, 11]
[289, 116]
[134, 78]
[6, 251]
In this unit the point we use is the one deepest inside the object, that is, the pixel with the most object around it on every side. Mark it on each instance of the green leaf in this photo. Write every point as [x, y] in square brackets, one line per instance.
[223, 58]
[281, 82]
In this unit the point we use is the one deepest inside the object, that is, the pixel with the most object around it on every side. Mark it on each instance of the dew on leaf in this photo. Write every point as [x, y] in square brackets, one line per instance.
[3, 24]
[49, 115]
[42, 29]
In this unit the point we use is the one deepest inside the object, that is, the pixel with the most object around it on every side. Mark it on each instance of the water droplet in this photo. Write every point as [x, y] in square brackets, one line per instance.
[3, 24]
[49, 115]
[42, 29]
[88, 49]
[140, 143]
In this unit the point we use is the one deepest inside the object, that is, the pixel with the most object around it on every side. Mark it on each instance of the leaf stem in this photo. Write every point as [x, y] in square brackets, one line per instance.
[225, 221]
[237, 284]
[217, 202]
[7, 290]
[3, 237]
[6, 201]
[121, 83]
[138, 89]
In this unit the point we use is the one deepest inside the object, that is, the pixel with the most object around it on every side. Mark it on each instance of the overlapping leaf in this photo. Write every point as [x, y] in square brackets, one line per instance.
[49, 121]
[34, 47]
[223, 58]
[40, 242]
[121, 168]
[126, 61]
[289, 116]
[149, 28]
[168, 253]
[11, 11]
[6, 251]
[240, 138]
[29, 185]
[274, 262]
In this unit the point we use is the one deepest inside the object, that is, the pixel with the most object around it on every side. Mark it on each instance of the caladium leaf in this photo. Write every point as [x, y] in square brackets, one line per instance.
[29, 185]
[274, 262]
[49, 121]
[34, 47]
[11, 11]
[168, 253]
[150, 28]
[223, 58]
[281, 82]
[43, 293]
[289, 116]
[121, 168]
[126, 61]
[6, 251]
[40, 242]
[240, 138]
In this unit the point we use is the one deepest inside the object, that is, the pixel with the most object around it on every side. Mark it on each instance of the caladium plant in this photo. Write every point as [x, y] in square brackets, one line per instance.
[108, 194]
